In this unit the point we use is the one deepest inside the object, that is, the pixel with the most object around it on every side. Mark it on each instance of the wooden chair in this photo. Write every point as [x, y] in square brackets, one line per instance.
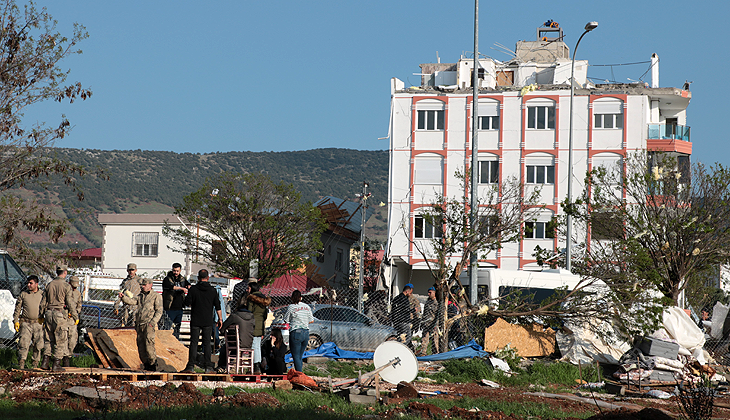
[238, 358]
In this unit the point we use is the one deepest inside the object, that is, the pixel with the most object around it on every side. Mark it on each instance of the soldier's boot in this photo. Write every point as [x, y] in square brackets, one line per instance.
[257, 368]
[57, 366]
[152, 367]
[46, 363]
[66, 361]
[21, 364]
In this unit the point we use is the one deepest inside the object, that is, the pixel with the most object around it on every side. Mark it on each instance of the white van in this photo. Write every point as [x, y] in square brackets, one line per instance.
[495, 282]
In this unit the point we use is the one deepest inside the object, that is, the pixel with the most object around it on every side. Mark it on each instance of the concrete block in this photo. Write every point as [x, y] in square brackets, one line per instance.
[363, 399]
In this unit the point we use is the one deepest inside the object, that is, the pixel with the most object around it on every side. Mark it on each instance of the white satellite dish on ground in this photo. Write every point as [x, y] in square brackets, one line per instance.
[403, 363]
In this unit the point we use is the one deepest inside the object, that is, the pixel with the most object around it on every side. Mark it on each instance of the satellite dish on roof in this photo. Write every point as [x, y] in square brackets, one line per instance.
[404, 369]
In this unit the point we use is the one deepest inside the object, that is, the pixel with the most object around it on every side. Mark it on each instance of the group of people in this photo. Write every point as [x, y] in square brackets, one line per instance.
[407, 319]
[48, 320]
[143, 309]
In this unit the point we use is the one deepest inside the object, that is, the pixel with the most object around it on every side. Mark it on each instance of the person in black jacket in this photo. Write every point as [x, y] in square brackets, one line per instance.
[400, 314]
[274, 351]
[244, 319]
[202, 299]
[174, 287]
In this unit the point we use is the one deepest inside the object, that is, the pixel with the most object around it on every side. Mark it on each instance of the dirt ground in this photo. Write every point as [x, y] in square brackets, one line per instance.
[23, 386]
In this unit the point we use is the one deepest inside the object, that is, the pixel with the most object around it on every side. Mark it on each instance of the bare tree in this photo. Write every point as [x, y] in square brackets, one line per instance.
[31, 50]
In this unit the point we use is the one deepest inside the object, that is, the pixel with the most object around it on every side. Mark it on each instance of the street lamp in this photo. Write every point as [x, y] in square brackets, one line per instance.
[569, 220]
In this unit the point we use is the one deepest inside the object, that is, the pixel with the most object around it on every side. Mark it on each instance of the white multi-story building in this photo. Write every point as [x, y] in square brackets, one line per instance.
[524, 119]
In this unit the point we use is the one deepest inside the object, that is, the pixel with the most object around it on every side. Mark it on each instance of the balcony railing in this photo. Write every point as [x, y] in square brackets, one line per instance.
[668, 132]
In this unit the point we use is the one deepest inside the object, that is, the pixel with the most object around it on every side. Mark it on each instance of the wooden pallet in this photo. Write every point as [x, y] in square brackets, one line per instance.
[256, 378]
[135, 376]
[221, 377]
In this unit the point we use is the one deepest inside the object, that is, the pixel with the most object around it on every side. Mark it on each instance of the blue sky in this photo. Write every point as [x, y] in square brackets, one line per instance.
[290, 75]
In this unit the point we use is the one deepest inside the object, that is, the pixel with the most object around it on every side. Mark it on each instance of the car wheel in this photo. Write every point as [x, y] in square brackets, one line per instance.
[314, 342]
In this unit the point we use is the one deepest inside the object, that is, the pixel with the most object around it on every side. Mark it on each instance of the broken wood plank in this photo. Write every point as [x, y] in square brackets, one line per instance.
[91, 342]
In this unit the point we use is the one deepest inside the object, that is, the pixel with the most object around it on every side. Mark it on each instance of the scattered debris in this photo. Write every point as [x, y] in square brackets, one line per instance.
[405, 391]
[489, 383]
[499, 364]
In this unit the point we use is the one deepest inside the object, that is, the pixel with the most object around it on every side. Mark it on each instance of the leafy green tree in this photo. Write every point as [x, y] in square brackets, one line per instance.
[244, 218]
[31, 51]
[661, 224]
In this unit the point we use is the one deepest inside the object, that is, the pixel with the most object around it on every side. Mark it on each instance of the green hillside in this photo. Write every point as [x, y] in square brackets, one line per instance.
[154, 182]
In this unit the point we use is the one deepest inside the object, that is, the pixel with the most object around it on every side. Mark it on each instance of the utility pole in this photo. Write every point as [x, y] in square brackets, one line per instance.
[364, 206]
[474, 257]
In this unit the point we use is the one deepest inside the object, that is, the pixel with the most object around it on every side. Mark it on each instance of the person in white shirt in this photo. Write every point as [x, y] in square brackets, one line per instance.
[299, 316]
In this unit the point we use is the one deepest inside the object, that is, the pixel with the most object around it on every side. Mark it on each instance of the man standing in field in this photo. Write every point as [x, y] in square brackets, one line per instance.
[400, 314]
[429, 324]
[57, 305]
[203, 300]
[174, 287]
[149, 312]
[131, 283]
[73, 332]
[27, 320]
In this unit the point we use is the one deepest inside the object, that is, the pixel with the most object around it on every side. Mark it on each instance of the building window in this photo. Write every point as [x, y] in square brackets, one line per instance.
[612, 167]
[608, 121]
[144, 244]
[425, 230]
[608, 114]
[489, 172]
[541, 117]
[488, 225]
[488, 115]
[430, 120]
[606, 225]
[428, 170]
[539, 230]
[540, 174]
[489, 123]
[339, 259]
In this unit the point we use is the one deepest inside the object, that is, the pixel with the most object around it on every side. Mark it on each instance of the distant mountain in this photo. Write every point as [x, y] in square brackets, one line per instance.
[154, 182]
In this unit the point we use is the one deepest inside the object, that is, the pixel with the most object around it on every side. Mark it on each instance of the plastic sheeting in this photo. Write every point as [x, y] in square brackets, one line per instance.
[685, 332]
[719, 312]
[330, 349]
[469, 350]
[579, 345]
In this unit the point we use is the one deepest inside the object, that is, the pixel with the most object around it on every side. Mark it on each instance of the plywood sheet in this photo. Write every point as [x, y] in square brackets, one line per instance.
[120, 348]
[528, 341]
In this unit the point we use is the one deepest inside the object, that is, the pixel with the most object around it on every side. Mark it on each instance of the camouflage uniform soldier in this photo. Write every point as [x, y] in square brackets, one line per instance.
[57, 306]
[149, 312]
[73, 332]
[27, 319]
[132, 284]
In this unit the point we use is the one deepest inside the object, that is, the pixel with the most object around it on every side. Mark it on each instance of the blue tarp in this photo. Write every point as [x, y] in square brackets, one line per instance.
[331, 350]
[472, 349]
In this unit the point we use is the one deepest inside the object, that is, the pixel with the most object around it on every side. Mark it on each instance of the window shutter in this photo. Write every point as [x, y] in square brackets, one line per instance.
[429, 105]
[488, 109]
[608, 107]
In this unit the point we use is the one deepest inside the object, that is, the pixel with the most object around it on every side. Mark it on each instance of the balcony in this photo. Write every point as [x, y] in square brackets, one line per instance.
[668, 132]
[669, 138]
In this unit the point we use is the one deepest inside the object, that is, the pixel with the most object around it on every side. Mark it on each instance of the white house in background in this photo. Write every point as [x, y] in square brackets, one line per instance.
[523, 117]
[138, 238]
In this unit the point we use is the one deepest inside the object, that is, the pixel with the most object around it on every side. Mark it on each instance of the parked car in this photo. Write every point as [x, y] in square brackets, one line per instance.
[348, 328]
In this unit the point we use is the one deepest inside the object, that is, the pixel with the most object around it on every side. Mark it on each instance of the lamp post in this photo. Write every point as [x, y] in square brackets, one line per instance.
[364, 207]
[569, 220]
